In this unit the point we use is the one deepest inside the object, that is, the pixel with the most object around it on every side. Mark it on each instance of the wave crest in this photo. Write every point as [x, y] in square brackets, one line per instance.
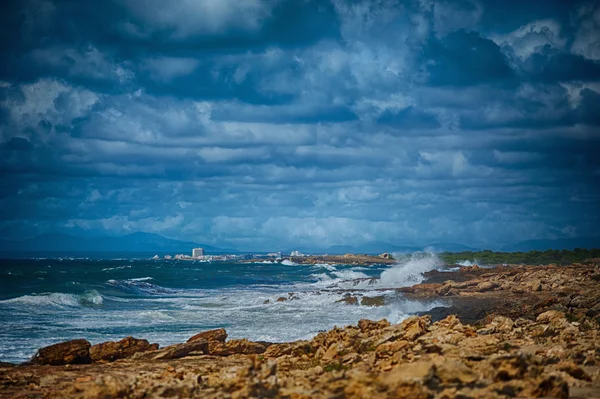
[139, 286]
[88, 298]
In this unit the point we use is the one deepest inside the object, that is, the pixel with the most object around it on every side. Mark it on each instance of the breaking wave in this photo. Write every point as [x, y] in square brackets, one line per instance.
[88, 298]
[139, 286]
[409, 271]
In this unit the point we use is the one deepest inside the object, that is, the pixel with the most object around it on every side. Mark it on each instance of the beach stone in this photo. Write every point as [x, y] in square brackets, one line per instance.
[211, 335]
[111, 351]
[76, 351]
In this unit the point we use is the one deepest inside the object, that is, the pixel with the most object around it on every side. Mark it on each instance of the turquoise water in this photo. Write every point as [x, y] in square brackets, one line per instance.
[44, 301]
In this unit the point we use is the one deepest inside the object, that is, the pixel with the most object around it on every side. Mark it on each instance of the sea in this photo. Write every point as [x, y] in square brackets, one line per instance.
[48, 300]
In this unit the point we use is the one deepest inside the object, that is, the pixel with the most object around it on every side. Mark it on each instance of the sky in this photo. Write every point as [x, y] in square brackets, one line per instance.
[256, 124]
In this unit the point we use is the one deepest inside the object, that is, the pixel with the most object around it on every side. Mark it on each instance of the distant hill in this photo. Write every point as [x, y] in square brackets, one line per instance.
[561, 243]
[378, 247]
[135, 242]
[451, 247]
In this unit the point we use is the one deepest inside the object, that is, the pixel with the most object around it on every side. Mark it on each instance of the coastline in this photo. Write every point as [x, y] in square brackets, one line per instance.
[518, 331]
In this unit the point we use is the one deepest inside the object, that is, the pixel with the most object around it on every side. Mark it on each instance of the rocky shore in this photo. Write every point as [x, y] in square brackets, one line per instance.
[506, 332]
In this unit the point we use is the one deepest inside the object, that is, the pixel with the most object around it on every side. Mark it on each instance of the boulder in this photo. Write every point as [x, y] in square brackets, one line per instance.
[372, 301]
[181, 350]
[485, 286]
[111, 351]
[76, 351]
[211, 335]
[414, 327]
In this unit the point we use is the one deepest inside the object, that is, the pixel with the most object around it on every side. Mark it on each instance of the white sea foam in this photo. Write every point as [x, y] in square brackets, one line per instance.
[349, 274]
[116, 268]
[140, 279]
[287, 262]
[466, 263]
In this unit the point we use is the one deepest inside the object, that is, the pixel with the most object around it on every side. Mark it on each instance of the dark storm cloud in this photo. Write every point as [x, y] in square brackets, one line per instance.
[465, 58]
[275, 123]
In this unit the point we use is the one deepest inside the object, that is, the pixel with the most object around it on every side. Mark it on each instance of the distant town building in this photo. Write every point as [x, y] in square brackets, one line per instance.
[197, 252]
[295, 253]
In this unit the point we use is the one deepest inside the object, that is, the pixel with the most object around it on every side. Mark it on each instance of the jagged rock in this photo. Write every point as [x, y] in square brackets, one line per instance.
[369, 325]
[414, 326]
[76, 351]
[372, 301]
[111, 351]
[282, 299]
[211, 335]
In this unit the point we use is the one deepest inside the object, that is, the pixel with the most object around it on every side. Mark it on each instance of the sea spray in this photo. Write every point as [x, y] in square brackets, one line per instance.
[409, 271]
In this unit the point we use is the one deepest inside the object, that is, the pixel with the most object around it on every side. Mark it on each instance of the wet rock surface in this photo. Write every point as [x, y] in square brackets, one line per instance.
[532, 344]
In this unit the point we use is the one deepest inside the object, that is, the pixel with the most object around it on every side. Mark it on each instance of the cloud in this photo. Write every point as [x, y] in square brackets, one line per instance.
[532, 38]
[191, 18]
[164, 69]
[587, 43]
[275, 124]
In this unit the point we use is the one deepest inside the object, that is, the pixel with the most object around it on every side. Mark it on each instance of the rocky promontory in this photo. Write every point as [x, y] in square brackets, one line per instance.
[513, 332]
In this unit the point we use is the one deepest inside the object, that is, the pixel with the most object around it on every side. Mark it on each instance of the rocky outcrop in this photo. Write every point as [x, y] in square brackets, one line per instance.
[111, 351]
[76, 351]
[197, 347]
